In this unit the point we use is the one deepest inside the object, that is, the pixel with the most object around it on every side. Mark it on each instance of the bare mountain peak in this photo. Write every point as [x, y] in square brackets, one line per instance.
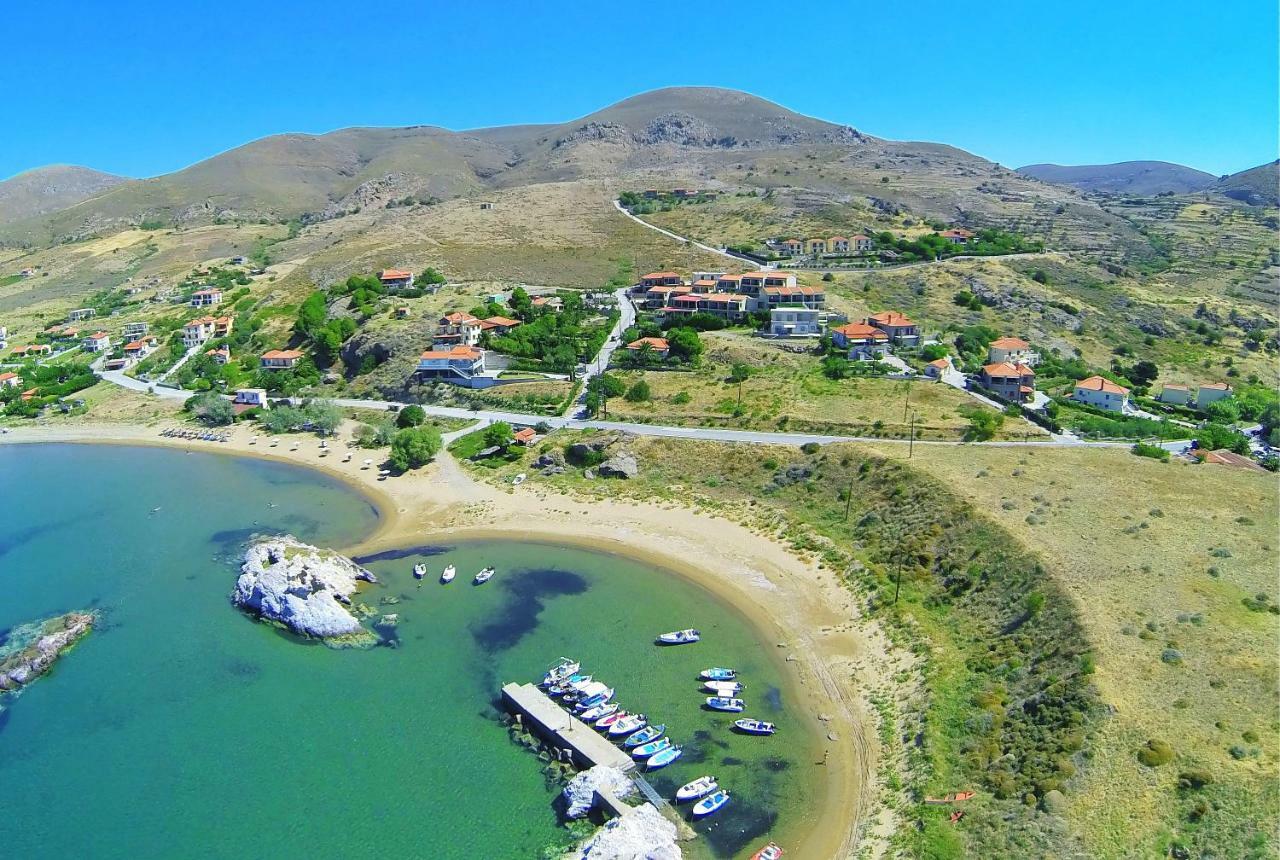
[50, 188]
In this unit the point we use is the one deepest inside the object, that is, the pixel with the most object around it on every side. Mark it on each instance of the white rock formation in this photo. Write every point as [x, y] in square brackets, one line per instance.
[580, 793]
[300, 586]
[641, 833]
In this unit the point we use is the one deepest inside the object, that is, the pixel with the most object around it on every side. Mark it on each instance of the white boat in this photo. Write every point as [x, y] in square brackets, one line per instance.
[652, 748]
[710, 803]
[560, 671]
[700, 787]
[719, 674]
[449, 573]
[484, 576]
[755, 727]
[592, 714]
[722, 703]
[608, 721]
[663, 758]
[723, 688]
[419, 570]
[566, 685]
[679, 637]
[518, 479]
[627, 725]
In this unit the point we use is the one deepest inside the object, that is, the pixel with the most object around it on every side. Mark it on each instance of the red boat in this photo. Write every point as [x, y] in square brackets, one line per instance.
[768, 852]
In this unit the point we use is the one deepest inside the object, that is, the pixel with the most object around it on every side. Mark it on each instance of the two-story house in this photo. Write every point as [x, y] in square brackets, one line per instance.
[1011, 350]
[99, 341]
[280, 359]
[900, 328]
[1101, 393]
[1012, 381]
[206, 298]
[395, 279]
[458, 364]
[863, 342]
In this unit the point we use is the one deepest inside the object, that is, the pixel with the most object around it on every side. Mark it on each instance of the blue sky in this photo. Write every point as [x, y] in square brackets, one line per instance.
[143, 88]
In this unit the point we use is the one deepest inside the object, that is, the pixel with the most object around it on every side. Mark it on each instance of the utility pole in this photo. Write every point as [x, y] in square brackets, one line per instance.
[911, 440]
[848, 500]
[906, 403]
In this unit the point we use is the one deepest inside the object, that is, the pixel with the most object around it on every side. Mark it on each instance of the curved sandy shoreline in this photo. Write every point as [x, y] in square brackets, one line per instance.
[788, 601]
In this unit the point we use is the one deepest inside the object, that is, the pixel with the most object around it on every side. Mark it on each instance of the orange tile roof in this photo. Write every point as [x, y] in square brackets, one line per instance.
[283, 353]
[5, 377]
[524, 434]
[659, 344]
[133, 344]
[703, 282]
[501, 321]
[860, 238]
[454, 352]
[394, 275]
[861, 330]
[892, 318]
[730, 278]
[662, 275]
[1098, 383]
[459, 318]
[939, 362]
[1216, 386]
[1010, 343]
[837, 239]
[1005, 370]
[957, 233]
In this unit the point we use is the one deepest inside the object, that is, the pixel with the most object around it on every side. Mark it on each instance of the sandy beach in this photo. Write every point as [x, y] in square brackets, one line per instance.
[802, 608]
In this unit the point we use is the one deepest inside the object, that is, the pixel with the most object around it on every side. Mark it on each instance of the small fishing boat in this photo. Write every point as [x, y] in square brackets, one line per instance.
[721, 703]
[722, 688]
[594, 700]
[484, 576]
[419, 570]
[608, 721]
[652, 748]
[449, 573]
[710, 803]
[593, 714]
[700, 787]
[768, 852]
[755, 727]
[560, 671]
[567, 685]
[679, 637]
[718, 674]
[648, 733]
[664, 758]
[627, 725]
[582, 683]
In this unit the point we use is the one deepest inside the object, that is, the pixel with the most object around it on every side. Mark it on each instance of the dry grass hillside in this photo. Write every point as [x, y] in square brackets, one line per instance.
[1160, 559]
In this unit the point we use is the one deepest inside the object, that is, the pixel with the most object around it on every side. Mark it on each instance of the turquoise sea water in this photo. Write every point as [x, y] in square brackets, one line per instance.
[182, 728]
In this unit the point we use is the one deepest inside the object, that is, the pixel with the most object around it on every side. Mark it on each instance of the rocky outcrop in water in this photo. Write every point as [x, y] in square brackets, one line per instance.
[304, 588]
[642, 832]
[29, 650]
[580, 794]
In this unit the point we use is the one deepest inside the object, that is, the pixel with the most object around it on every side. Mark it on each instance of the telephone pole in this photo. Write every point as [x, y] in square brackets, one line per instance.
[911, 440]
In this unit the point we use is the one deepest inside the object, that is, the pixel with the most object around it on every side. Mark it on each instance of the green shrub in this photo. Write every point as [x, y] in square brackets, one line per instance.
[1155, 452]
[411, 416]
[1155, 753]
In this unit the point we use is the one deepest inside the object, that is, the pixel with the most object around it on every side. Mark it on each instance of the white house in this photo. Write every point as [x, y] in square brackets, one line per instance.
[1011, 350]
[794, 321]
[81, 314]
[280, 359]
[460, 328]
[252, 397]
[10, 380]
[1101, 393]
[1212, 393]
[396, 279]
[456, 364]
[99, 341]
[134, 330]
[206, 298]
[1178, 395]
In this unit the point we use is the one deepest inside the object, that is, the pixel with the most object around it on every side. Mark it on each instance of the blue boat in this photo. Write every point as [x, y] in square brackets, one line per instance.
[710, 803]
[664, 758]
[718, 674]
[649, 733]
[594, 701]
[652, 748]
[720, 703]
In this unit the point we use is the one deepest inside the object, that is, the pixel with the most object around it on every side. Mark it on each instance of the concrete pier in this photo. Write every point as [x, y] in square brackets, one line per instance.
[562, 730]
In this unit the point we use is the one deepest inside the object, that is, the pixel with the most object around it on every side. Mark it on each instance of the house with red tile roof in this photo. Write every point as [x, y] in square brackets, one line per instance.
[958, 235]
[901, 329]
[861, 244]
[525, 436]
[280, 359]
[498, 325]
[460, 328]
[1178, 395]
[1101, 393]
[1014, 382]
[10, 380]
[657, 346]
[395, 279]
[660, 279]
[457, 364]
[864, 342]
[99, 341]
[791, 247]
[206, 298]
[221, 355]
[936, 368]
[1013, 350]
[1211, 392]
[32, 349]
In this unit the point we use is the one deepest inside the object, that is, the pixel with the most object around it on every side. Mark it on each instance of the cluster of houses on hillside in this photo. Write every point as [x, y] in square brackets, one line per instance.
[794, 310]
[1206, 395]
[846, 246]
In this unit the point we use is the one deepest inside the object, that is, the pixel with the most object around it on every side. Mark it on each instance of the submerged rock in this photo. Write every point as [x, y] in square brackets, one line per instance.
[580, 793]
[29, 650]
[304, 588]
[642, 832]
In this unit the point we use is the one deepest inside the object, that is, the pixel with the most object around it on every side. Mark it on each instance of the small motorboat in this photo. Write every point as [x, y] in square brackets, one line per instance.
[568, 685]
[718, 674]
[755, 727]
[449, 573]
[595, 700]
[560, 671]
[721, 703]
[627, 725]
[710, 803]
[768, 852]
[722, 688]
[648, 733]
[652, 748]
[608, 721]
[664, 758]
[592, 714]
[419, 570]
[679, 637]
[700, 787]
[484, 576]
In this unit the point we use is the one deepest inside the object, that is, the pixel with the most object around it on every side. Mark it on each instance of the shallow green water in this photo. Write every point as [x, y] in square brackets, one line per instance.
[182, 728]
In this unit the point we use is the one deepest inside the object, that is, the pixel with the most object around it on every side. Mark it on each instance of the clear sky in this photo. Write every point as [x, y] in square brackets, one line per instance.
[143, 88]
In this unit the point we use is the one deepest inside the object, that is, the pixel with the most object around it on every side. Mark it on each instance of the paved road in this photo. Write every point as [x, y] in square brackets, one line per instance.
[626, 319]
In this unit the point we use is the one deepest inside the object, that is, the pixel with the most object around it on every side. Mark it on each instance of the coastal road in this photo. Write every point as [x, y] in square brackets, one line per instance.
[626, 319]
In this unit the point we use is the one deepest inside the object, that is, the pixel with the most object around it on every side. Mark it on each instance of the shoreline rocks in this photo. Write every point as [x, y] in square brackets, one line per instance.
[30, 650]
[642, 832]
[580, 794]
[303, 588]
